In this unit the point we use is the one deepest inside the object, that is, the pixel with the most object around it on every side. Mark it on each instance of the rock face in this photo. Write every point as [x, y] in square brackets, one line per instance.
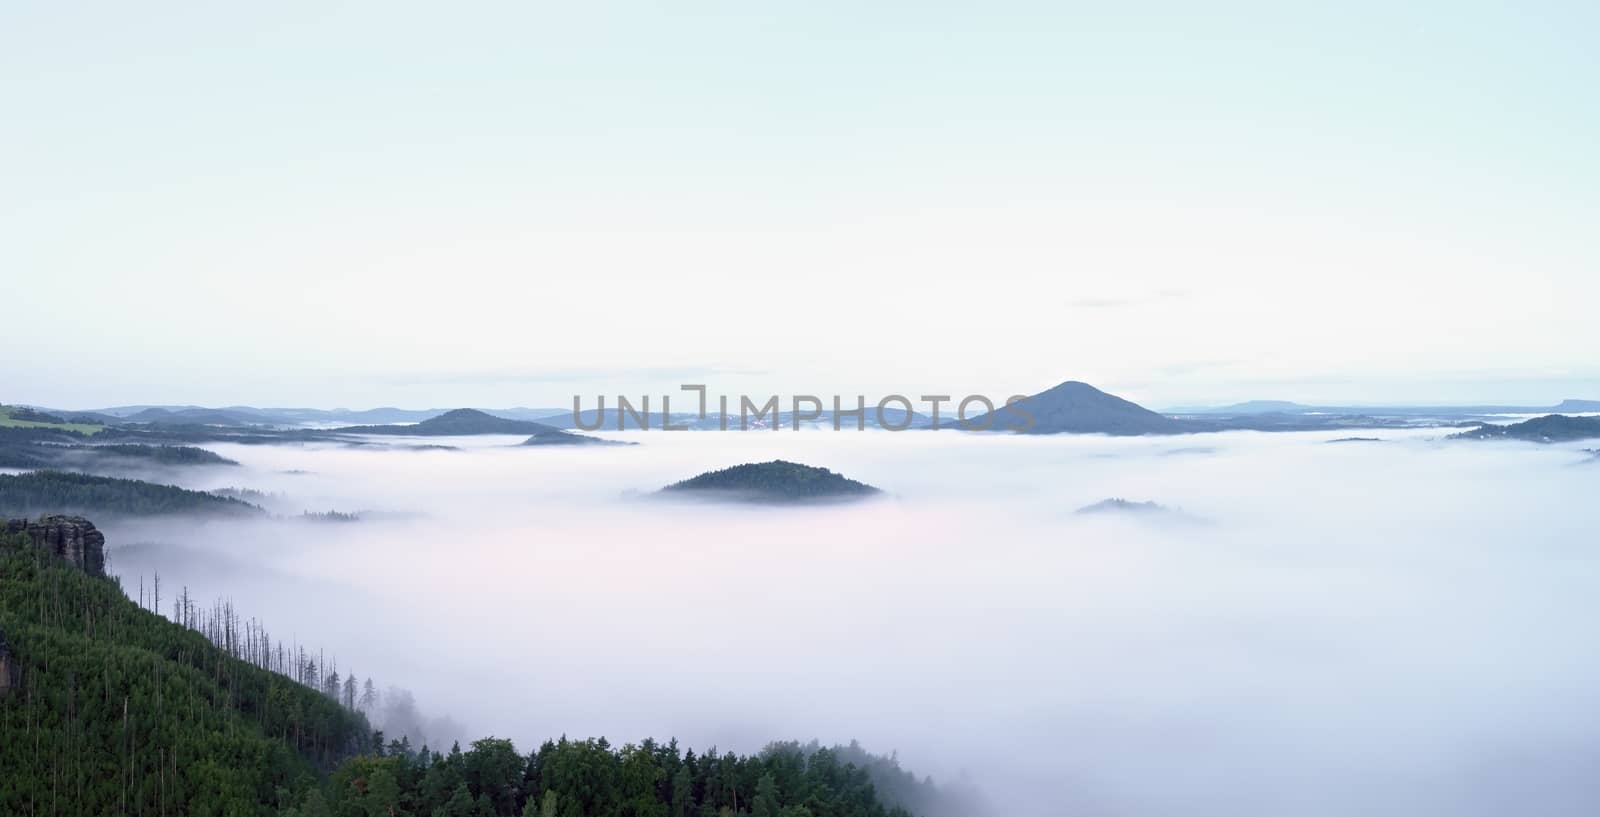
[72, 538]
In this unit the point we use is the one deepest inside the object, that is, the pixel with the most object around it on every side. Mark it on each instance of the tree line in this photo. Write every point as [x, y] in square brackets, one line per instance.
[38, 491]
[123, 711]
[592, 778]
[120, 711]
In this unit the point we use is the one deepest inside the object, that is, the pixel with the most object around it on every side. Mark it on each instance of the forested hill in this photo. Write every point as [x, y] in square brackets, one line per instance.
[32, 448]
[109, 708]
[59, 491]
[775, 482]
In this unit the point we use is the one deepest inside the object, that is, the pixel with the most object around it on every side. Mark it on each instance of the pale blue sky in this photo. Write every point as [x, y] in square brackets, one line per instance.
[496, 204]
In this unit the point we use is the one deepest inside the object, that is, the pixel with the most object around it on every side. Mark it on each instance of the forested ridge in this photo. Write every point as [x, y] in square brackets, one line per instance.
[39, 491]
[119, 710]
[1547, 429]
[46, 451]
[160, 454]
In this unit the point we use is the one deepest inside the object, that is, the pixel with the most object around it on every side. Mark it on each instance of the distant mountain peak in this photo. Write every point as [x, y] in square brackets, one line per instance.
[1571, 405]
[467, 421]
[1075, 407]
[459, 415]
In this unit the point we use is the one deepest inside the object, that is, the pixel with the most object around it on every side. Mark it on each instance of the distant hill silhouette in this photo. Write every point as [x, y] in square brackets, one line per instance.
[458, 422]
[556, 436]
[1074, 408]
[1119, 505]
[775, 482]
[1551, 428]
[466, 422]
[1251, 407]
[198, 416]
[611, 419]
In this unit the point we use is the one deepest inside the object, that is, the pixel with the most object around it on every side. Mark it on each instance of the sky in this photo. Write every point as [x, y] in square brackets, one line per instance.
[359, 204]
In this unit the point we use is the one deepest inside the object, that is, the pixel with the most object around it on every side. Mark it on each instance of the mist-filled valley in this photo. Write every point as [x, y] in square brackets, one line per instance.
[799, 410]
[1307, 627]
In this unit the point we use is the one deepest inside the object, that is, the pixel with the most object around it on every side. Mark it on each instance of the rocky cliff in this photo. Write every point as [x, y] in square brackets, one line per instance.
[72, 538]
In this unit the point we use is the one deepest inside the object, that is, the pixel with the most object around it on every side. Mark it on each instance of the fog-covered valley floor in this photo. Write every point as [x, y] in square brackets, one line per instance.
[1401, 627]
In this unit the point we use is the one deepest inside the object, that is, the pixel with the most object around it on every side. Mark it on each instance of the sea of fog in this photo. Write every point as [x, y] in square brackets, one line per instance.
[1402, 627]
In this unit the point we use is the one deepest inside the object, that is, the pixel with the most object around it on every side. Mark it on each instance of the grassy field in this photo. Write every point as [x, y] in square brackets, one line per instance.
[7, 421]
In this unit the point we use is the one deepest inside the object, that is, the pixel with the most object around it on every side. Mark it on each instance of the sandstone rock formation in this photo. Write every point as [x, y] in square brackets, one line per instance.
[72, 538]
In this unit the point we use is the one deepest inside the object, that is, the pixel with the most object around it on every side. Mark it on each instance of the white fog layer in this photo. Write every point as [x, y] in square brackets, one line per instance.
[1401, 627]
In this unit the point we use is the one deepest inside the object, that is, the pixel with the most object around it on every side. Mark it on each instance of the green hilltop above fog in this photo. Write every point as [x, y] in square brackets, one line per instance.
[775, 482]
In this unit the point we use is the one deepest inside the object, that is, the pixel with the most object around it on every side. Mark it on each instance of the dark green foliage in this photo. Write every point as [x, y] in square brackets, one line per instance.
[161, 454]
[590, 778]
[11, 436]
[778, 481]
[43, 448]
[119, 711]
[34, 416]
[250, 495]
[123, 712]
[57, 491]
[24, 456]
[1550, 428]
[897, 787]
